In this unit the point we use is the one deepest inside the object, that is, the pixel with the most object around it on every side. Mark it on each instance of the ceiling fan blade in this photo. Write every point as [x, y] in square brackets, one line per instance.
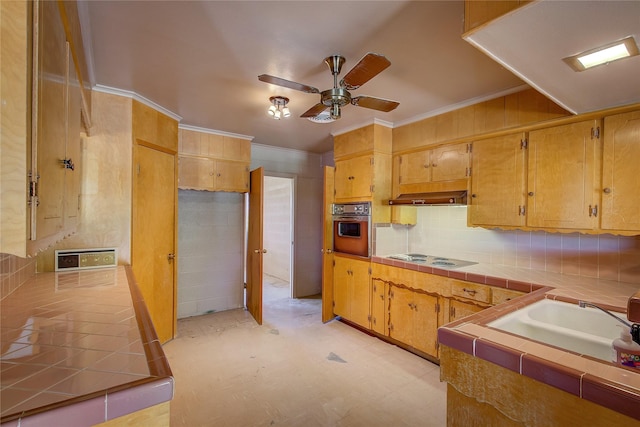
[375, 103]
[287, 83]
[369, 66]
[315, 110]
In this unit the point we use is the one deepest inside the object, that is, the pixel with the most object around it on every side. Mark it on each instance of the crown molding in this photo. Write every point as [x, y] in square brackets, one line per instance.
[137, 97]
[215, 132]
[375, 121]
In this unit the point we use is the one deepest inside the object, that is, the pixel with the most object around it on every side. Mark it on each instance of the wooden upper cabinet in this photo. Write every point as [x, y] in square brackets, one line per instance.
[441, 168]
[153, 127]
[363, 169]
[498, 182]
[479, 12]
[213, 162]
[620, 188]
[564, 176]
[354, 178]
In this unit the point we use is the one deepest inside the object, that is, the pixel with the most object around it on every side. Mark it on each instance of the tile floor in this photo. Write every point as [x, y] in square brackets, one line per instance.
[296, 371]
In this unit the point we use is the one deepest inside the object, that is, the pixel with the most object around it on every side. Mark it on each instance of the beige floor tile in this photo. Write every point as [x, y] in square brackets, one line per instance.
[296, 371]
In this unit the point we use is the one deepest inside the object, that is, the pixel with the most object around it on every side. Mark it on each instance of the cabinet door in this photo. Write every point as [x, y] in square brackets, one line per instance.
[196, 173]
[621, 192]
[415, 168]
[341, 278]
[353, 178]
[231, 176]
[449, 162]
[425, 323]
[360, 293]
[379, 306]
[401, 314]
[563, 176]
[50, 138]
[498, 189]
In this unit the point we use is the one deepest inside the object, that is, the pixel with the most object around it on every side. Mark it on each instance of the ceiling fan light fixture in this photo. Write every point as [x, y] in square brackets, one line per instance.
[603, 55]
[278, 107]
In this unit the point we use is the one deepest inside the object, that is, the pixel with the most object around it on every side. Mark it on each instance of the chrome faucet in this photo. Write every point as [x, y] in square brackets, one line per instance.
[584, 304]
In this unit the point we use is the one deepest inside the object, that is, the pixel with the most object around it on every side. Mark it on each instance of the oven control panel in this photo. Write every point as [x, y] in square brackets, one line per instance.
[360, 209]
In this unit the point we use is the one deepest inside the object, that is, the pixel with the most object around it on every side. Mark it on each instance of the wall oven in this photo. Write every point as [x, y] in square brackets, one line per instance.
[352, 228]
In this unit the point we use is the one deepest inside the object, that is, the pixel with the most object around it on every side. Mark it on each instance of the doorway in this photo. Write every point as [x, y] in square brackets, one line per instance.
[278, 238]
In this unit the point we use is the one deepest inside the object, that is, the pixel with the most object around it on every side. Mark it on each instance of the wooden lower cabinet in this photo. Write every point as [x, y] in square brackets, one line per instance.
[379, 306]
[352, 290]
[413, 319]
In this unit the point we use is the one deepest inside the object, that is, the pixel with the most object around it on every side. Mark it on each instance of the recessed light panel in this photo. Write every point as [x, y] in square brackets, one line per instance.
[603, 55]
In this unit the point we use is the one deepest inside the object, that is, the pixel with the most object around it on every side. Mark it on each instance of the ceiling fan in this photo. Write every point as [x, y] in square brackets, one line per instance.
[369, 66]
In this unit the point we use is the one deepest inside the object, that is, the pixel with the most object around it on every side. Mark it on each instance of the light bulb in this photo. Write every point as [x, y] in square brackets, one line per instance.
[272, 110]
[286, 112]
[277, 115]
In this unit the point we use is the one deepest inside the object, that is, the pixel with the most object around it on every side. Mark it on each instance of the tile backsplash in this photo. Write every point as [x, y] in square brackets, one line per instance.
[443, 231]
[14, 272]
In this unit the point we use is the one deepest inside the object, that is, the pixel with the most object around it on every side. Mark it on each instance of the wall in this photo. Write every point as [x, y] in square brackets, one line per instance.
[14, 271]
[443, 231]
[210, 252]
[277, 227]
[307, 169]
[105, 193]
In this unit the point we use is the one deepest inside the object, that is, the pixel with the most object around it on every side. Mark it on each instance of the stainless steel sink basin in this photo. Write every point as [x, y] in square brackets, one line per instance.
[582, 330]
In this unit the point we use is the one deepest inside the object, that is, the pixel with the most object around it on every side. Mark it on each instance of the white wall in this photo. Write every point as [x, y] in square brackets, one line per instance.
[307, 170]
[443, 231]
[277, 227]
[210, 252]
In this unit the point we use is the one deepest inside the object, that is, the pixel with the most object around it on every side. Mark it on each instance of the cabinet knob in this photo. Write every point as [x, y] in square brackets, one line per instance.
[473, 196]
[530, 193]
[171, 257]
[607, 190]
[257, 251]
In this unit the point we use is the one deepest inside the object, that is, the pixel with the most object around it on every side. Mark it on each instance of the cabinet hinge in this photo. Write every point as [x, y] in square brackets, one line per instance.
[372, 187]
[523, 143]
[369, 271]
[371, 161]
[369, 318]
[469, 148]
[138, 168]
[467, 172]
[595, 133]
[437, 307]
[400, 160]
[521, 210]
[33, 189]
[334, 262]
[593, 210]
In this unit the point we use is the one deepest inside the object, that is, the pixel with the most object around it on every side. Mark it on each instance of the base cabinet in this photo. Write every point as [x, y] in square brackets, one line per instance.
[413, 319]
[352, 290]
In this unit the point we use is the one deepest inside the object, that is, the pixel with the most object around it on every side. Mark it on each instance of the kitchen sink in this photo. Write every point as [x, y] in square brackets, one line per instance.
[432, 261]
[586, 330]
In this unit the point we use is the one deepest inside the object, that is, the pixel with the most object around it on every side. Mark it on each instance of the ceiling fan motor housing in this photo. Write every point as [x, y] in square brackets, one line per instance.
[335, 96]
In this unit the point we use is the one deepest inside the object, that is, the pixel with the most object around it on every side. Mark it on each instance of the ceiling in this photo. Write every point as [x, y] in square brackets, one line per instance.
[201, 60]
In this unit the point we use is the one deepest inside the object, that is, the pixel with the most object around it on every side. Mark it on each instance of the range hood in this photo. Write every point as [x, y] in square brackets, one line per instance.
[448, 198]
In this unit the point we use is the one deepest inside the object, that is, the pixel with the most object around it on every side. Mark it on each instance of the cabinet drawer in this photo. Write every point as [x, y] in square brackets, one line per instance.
[500, 295]
[471, 291]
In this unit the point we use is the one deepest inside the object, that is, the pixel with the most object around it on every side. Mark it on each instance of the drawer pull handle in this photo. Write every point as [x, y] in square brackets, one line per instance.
[470, 291]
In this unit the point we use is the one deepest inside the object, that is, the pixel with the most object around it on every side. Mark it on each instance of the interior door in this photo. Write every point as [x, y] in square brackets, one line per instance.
[153, 242]
[327, 245]
[255, 249]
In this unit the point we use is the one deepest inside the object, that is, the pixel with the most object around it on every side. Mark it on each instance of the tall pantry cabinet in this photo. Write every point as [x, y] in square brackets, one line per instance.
[362, 174]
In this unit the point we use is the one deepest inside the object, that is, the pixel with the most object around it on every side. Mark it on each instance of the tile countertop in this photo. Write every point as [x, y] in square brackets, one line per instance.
[79, 345]
[600, 382]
